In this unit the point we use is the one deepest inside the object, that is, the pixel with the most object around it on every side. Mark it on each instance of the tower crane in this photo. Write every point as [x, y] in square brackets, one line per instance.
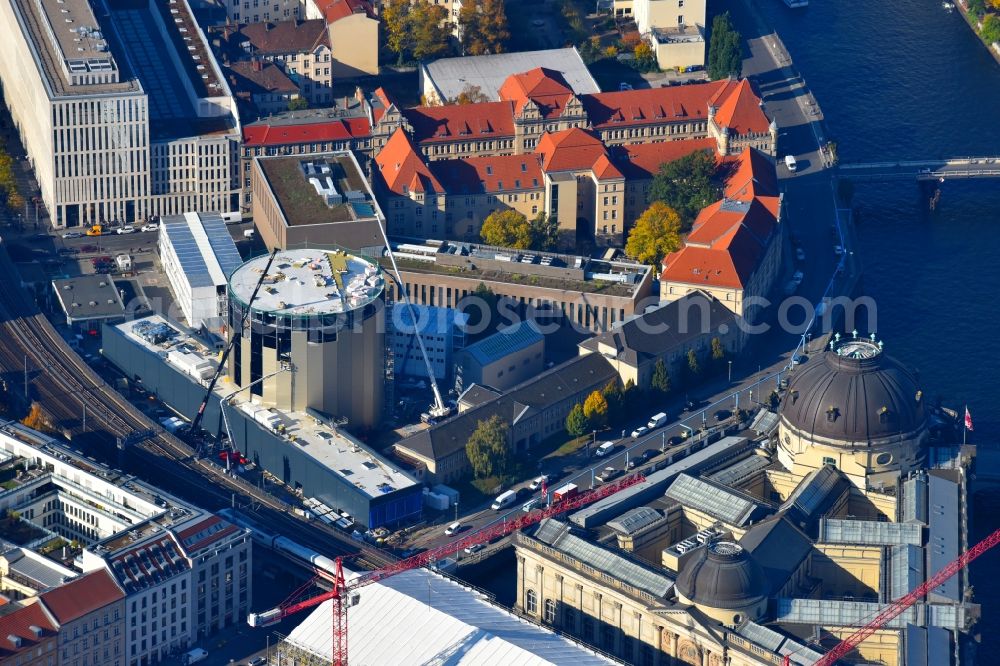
[897, 607]
[345, 593]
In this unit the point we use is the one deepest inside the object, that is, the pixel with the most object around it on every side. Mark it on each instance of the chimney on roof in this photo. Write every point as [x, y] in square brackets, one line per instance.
[14, 640]
[36, 630]
[257, 65]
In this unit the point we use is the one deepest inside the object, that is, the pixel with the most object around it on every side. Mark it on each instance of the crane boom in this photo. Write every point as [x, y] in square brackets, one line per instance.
[894, 609]
[229, 347]
[342, 592]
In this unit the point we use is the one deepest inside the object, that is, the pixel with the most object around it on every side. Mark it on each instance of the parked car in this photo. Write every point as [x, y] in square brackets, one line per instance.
[640, 431]
[474, 548]
[454, 528]
[608, 473]
[152, 226]
[257, 661]
[73, 234]
[539, 482]
[624, 86]
[127, 229]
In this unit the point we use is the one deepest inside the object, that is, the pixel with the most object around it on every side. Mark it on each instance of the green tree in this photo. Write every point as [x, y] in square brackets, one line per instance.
[429, 27]
[977, 8]
[686, 185]
[395, 19]
[773, 400]
[470, 94]
[725, 49]
[576, 421]
[693, 367]
[718, 351]
[655, 234]
[483, 27]
[298, 103]
[991, 28]
[481, 306]
[613, 395]
[661, 377]
[487, 448]
[506, 228]
[544, 232]
[595, 408]
[590, 50]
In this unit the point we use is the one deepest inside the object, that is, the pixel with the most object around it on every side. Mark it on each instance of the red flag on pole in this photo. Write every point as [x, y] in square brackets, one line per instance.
[968, 420]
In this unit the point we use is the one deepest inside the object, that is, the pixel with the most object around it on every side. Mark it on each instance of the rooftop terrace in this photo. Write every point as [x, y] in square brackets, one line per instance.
[537, 269]
[309, 282]
[319, 190]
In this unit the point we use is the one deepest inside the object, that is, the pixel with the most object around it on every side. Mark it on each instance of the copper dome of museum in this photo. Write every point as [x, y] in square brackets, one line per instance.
[722, 575]
[853, 393]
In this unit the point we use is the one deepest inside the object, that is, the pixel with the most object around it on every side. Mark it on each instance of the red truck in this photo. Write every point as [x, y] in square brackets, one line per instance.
[568, 491]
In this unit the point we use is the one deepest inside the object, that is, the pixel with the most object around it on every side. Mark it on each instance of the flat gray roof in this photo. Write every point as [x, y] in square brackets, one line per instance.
[840, 613]
[710, 499]
[89, 297]
[488, 72]
[869, 532]
[558, 536]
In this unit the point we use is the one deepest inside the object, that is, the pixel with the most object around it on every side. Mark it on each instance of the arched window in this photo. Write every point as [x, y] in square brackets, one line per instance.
[531, 602]
[550, 611]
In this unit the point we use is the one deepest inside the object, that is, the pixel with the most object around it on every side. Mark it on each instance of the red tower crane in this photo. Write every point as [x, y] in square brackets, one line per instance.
[344, 593]
[896, 608]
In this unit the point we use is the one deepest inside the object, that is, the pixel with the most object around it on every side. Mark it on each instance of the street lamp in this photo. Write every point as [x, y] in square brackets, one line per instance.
[730, 371]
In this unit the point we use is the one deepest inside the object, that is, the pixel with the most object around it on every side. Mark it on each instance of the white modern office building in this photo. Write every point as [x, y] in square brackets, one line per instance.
[198, 255]
[123, 111]
[185, 572]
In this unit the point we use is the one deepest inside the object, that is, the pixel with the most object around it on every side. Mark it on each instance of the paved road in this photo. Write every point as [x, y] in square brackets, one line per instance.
[810, 211]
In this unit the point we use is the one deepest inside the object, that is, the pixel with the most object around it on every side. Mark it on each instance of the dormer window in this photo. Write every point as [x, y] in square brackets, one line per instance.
[832, 413]
[883, 415]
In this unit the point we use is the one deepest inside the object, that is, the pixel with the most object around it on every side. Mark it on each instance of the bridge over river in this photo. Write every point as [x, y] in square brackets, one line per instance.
[940, 170]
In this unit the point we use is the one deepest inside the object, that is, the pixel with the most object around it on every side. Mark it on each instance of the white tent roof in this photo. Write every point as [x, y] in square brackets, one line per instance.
[420, 617]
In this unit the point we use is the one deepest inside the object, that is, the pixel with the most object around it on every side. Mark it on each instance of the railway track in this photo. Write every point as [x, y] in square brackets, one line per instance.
[67, 387]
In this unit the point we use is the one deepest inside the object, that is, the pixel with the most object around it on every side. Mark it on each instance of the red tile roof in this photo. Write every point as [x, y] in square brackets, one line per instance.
[334, 10]
[19, 622]
[650, 105]
[400, 163]
[458, 122]
[643, 160]
[739, 109]
[726, 243]
[545, 87]
[263, 134]
[509, 173]
[81, 596]
[575, 149]
[754, 176]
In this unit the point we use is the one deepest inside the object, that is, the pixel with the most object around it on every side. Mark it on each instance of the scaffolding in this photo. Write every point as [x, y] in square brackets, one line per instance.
[287, 653]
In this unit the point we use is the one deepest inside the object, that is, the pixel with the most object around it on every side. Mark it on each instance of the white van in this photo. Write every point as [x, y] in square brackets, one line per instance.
[194, 656]
[504, 500]
[790, 163]
[452, 529]
[657, 420]
[604, 449]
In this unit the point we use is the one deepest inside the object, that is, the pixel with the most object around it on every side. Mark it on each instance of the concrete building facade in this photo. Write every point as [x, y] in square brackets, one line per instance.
[316, 334]
[102, 147]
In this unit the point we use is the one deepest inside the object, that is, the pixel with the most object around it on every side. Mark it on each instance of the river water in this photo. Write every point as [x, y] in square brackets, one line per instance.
[908, 80]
